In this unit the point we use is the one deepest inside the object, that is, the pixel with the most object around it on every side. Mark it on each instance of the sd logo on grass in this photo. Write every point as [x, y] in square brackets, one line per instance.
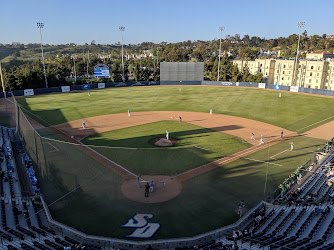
[144, 228]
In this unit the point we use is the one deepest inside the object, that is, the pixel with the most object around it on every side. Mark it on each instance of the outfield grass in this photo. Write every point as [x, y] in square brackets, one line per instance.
[292, 111]
[90, 199]
[196, 146]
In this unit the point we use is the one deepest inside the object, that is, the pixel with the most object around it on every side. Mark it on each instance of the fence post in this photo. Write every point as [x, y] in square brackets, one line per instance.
[36, 152]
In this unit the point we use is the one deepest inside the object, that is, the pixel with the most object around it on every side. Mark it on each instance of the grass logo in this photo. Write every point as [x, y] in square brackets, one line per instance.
[144, 229]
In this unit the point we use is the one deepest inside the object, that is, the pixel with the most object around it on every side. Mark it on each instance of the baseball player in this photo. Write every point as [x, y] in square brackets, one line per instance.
[280, 94]
[292, 145]
[179, 89]
[88, 93]
[261, 142]
[167, 135]
[252, 138]
[281, 134]
[83, 125]
[210, 111]
[241, 205]
[180, 119]
[129, 112]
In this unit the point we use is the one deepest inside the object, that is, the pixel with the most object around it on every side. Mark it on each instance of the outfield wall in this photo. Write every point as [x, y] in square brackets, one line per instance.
[42, 91]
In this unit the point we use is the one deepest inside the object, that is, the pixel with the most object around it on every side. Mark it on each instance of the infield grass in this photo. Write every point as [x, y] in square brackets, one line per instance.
[196, 146]
[296, 112]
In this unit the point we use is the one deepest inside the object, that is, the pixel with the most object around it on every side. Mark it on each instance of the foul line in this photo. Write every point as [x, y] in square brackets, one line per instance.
[272, 157]
[264, 162]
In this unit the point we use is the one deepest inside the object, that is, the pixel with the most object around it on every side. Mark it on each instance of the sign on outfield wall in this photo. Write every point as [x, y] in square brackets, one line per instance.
[28, 92]
[65, 89]
[262, 85]
[294, 88]
[278, 87]
[237, 83]
[101, 85]
[85, 86]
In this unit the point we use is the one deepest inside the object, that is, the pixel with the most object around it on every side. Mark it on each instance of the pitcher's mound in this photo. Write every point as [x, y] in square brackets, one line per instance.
[165, 188]
[163, 142]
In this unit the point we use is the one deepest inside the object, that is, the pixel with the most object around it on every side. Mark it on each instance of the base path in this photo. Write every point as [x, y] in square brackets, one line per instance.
[236, 126]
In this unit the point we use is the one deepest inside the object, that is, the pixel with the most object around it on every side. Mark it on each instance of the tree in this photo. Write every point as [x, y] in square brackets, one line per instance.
[236, 74]
[137, 73]
[92, 42]
[246, 38]
[156, 75]
[17, 53]
[116, 72]
[245, 73]
[305, 33]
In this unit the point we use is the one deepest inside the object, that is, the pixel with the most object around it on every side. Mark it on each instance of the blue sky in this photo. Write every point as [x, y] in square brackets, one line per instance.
[81, 21]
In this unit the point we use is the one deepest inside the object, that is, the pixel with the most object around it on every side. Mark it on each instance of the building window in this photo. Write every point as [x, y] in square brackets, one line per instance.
[311, 73]
[261, 65]
[332, 74]
[266, 74]
[283, 72]
[310, 81]
[288, 78]
[311, 67]
[319, 67]
[277, 71]
[290, 66]
[260, 70]
[289, 72]
[317, 74]
[283, 66]
[282, 78]
[316, 81]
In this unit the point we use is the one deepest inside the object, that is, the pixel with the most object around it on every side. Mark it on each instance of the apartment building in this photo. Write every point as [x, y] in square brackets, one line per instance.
[264, 66]
[317, 74]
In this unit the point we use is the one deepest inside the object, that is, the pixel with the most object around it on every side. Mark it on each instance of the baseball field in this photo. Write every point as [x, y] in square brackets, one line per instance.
[89, 179]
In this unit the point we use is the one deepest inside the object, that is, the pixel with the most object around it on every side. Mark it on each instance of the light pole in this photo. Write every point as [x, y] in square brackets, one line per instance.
[40, 26]
[2, 82]
[300, 25]
[75, 72]
[122, 28]
[221, 29]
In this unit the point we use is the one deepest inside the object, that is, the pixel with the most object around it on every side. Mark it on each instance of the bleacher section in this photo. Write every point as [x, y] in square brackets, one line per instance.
[23, 220]
[304, 220]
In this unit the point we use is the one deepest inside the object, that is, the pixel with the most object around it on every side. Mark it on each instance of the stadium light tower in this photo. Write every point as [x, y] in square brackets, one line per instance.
[221, 29]
[40, 26]
[75, 72]
[300, 25]
[122, 28]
